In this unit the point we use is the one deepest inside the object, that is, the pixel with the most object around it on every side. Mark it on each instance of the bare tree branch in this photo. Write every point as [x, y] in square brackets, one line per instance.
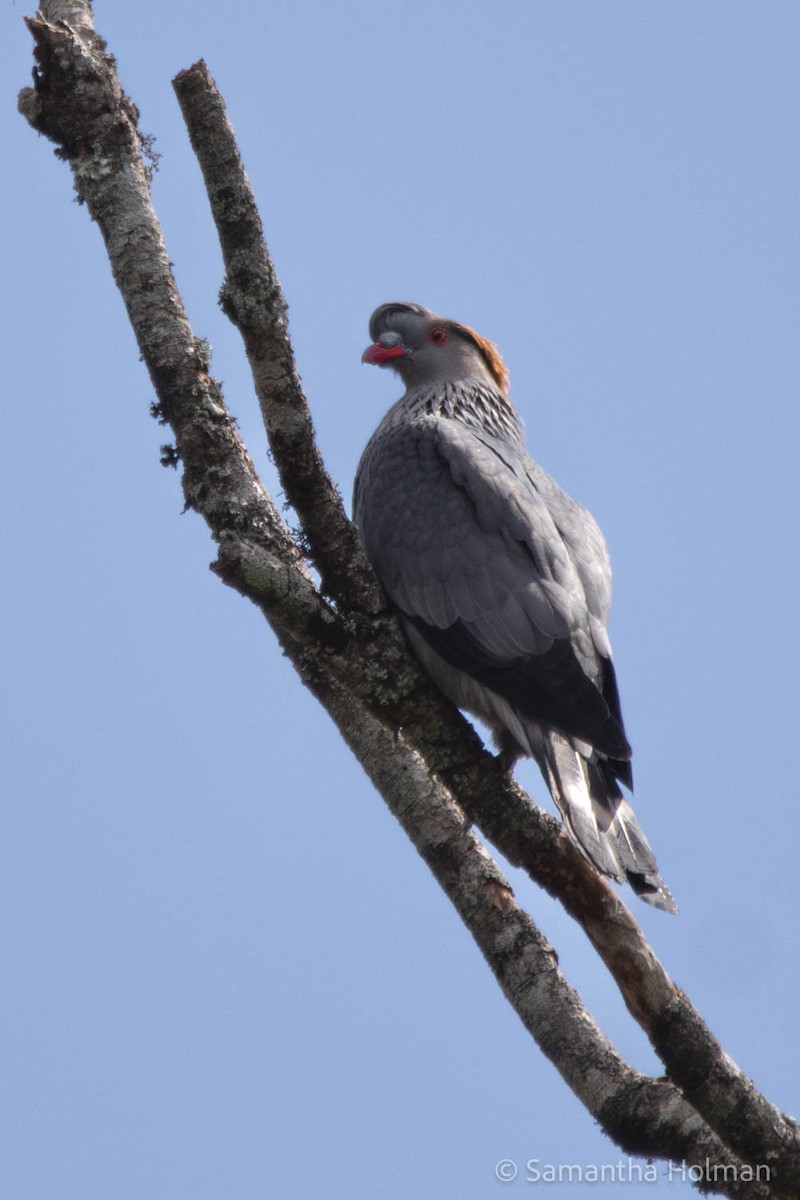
[664, 1013]
[420, 753]
[253, 299]
[254, 306]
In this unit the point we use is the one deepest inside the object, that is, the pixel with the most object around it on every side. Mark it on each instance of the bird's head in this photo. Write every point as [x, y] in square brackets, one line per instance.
[425, 348]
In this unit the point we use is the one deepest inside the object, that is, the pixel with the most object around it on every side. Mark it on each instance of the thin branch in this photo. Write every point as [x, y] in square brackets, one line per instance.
[661, 1009]
[253, 299]
[257, 305]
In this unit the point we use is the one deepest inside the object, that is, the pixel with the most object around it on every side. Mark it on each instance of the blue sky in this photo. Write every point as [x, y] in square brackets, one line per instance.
[226, 972]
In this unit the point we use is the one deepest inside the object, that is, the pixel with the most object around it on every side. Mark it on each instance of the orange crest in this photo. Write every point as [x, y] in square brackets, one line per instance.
[492, 357]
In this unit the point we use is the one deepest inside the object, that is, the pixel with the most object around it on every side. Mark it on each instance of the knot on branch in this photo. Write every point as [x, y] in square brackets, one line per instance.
[250, 294]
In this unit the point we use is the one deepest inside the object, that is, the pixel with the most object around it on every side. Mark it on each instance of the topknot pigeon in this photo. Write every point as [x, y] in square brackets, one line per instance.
[501, 581]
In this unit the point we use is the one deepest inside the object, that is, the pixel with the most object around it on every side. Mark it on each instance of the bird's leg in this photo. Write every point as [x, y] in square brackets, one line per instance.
[509, 750]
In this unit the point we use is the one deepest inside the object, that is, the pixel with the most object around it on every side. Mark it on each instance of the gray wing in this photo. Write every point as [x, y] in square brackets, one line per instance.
[502, 573]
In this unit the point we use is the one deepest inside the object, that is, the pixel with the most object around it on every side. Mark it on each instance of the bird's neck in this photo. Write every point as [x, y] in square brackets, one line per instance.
[468, 401]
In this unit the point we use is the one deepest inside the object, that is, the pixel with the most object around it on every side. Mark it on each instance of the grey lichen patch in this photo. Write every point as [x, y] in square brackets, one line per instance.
[30, 106]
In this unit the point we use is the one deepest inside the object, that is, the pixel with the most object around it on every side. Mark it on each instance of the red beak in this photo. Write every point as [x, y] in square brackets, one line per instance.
[380, 355]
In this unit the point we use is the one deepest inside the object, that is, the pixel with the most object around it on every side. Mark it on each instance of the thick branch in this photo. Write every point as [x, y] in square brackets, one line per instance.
[528, 837]
[79, 104]
[643, 1116]
[360, 668]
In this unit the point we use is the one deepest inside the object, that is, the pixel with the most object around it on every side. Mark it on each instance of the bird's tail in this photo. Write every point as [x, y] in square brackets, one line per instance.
[600, 820]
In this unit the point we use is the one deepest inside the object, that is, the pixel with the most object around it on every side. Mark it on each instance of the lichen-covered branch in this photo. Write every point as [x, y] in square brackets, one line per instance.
[253, 299]
[78, 103]
[651, 996]
[643, 1116]
[422, 756]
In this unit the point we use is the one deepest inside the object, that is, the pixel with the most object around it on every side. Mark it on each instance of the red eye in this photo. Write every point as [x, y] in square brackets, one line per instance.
[438, 335]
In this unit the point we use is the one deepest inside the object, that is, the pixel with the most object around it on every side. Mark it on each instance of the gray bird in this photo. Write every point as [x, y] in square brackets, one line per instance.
[502, 582]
